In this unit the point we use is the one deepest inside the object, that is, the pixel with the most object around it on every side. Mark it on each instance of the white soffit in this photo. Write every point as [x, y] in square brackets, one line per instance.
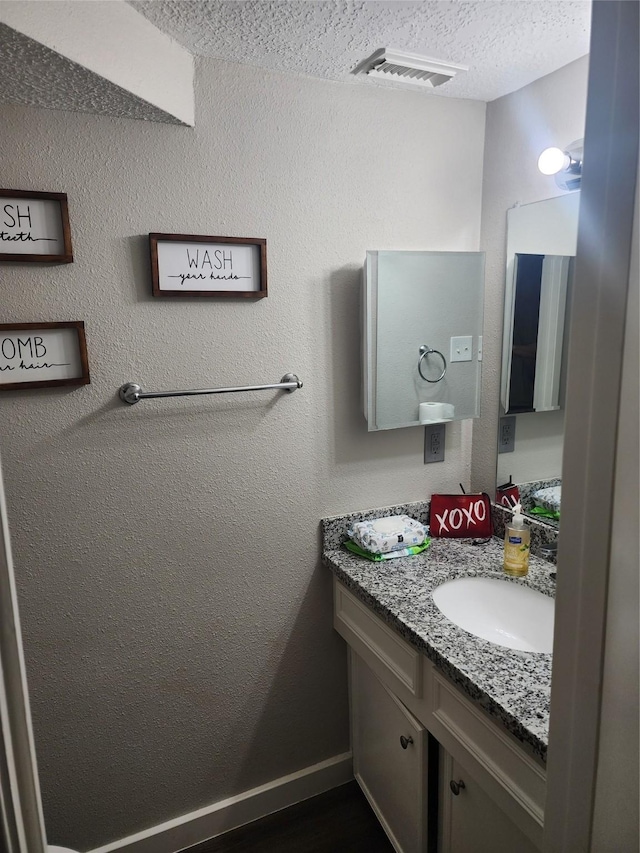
[98, 57]
[506, 43]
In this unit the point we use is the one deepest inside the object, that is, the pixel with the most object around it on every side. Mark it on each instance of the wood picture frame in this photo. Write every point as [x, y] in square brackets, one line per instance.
[23, 350]
[35, 226]
[193, 265]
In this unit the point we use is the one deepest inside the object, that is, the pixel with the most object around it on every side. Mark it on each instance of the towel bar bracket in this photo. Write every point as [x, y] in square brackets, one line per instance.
[129, 393]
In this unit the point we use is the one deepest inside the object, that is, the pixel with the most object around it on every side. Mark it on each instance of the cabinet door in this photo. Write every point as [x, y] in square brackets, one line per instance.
[391, 772]
[470, 821]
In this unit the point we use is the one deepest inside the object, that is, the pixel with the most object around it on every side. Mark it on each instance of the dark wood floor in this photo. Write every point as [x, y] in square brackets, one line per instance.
[340, 821]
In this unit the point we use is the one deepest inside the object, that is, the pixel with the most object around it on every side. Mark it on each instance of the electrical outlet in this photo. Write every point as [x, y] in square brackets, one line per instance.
[507, 434]
[434, 439]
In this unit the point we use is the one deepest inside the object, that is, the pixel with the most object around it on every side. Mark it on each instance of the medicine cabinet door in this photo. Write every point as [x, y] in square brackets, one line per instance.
[422, 344]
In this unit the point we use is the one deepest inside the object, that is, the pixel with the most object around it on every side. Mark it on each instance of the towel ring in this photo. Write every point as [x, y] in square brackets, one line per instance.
[424, 351]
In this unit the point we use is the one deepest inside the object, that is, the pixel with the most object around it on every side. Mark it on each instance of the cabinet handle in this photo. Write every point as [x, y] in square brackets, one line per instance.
[456, 787]
[405, 741]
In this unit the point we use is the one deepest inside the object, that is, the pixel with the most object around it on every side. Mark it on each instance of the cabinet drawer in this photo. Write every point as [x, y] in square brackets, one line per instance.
[354, 621]
[514, 780]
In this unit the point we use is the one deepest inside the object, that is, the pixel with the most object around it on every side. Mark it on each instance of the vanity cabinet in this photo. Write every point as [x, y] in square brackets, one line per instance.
[469, 820]
[389, 757]
[397, 692]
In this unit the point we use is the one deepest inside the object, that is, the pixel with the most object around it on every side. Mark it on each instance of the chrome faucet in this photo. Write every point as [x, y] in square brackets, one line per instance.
[549, 550]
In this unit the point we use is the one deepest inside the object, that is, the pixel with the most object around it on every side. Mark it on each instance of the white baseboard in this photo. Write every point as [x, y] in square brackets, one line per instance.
[206, 823]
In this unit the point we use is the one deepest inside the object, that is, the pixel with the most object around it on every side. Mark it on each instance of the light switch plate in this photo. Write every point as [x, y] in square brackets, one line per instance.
[461, 348]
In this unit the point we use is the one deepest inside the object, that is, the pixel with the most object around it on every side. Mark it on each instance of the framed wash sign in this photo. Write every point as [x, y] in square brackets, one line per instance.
[39, 355]
[188, 265]
[34, 227]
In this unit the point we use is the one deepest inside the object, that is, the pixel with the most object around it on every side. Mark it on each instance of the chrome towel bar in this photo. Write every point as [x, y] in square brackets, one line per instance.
[131, 393]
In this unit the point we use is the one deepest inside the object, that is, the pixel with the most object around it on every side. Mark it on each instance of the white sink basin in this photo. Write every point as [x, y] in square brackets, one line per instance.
[504, 612]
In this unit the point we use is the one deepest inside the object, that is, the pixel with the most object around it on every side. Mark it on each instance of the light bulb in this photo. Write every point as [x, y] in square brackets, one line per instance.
[552, 161]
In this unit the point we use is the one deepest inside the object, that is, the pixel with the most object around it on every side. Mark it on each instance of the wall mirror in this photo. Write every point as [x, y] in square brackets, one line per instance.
[541, 244]
[422, 327]
[534, 339]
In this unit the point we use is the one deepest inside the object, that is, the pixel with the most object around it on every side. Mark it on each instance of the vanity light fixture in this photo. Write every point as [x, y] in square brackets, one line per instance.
[565, 165]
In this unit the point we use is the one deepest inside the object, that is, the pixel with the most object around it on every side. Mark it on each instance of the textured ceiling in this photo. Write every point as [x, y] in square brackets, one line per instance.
[505, 43]
[33, 75]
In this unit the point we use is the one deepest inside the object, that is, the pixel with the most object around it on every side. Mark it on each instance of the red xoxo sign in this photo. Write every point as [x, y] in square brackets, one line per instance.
[460, 516]
[508, 495]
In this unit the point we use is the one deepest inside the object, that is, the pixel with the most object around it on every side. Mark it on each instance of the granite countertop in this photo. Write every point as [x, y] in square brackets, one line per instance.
[512, 686]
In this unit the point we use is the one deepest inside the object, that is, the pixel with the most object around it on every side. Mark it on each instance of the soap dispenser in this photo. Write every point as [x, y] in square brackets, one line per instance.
[516, 545]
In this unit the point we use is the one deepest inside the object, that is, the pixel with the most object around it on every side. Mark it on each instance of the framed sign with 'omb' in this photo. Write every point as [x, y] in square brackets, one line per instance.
[40, 355]
[34, 227]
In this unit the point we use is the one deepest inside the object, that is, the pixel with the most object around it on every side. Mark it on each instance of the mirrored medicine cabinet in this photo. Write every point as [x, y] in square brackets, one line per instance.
[541, 245]
[422, 337]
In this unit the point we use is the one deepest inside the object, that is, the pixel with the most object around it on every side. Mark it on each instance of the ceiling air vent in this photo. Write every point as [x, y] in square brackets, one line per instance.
[399, 67]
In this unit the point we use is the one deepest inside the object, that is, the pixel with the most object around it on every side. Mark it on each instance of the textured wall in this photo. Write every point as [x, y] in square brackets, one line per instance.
[550, 111]
[177, 622]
